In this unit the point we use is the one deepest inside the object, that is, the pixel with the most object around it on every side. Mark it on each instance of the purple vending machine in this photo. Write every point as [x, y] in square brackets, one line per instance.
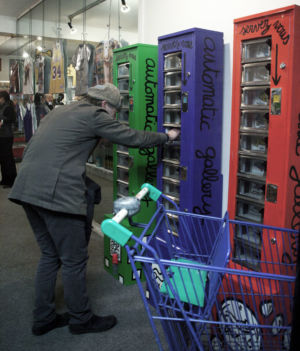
[190, 82]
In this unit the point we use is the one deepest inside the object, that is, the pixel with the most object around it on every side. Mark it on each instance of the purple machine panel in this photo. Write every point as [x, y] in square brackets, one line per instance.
[190, 82]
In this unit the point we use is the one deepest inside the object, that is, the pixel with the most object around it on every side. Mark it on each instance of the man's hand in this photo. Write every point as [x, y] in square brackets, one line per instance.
[173, 133]
[1, 122]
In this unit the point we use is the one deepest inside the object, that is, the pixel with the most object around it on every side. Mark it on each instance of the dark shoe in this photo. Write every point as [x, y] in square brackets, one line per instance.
[61, 320]
[94, 325]
[6, 186]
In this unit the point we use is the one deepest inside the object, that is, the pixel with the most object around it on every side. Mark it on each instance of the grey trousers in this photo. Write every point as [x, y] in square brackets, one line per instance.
[63, 244]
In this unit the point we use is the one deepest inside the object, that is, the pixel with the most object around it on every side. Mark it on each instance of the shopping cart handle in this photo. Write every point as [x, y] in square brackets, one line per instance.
[154, 193]
[112, 227]
[116, 231]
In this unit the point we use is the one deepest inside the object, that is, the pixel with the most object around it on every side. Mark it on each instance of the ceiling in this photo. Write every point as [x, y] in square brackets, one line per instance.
[98, 16]
[14, 8]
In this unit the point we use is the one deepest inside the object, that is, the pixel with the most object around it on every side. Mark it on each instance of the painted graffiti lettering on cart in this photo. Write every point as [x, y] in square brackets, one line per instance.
[208, 176]
[262, 26]
[208, 78]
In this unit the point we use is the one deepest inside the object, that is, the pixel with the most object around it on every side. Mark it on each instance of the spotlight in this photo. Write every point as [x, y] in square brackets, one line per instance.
[72, 28]
[25, 54]
[124, 7]
[39, 48]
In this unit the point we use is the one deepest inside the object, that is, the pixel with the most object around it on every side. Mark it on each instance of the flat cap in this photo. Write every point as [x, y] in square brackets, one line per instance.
[107, 92]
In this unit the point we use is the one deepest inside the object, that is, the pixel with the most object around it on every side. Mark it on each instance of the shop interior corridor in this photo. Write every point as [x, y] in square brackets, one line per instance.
[19, 258]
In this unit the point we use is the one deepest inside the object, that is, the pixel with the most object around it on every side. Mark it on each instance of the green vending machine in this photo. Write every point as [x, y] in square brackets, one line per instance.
[135, 74]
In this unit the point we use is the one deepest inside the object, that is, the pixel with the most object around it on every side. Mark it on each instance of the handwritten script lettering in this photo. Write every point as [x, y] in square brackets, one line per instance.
[208, 176]
[177, 44]
[150, 123]
[262, 26]
[280, 29]
[208, 78]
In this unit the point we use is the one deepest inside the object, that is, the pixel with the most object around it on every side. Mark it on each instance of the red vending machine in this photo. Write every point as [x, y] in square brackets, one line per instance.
[264, 179]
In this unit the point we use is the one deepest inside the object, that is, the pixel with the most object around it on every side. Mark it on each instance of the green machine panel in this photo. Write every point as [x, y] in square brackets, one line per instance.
[135, 74]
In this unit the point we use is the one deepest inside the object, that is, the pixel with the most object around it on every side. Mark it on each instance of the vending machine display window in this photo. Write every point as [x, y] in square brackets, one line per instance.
[256, 50]
[255, 120]
[256, 73]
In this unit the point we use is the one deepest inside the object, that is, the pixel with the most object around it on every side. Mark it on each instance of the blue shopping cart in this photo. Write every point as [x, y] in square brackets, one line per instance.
[201, 297]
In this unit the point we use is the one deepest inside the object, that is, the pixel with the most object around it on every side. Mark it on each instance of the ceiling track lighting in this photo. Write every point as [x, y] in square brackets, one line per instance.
[124, 7]
[72, 28]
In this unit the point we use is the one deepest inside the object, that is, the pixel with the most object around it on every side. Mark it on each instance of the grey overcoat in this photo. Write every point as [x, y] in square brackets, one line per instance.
[52, 172]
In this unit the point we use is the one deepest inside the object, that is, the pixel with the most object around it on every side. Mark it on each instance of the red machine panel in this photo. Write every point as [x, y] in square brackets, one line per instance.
[264, 180]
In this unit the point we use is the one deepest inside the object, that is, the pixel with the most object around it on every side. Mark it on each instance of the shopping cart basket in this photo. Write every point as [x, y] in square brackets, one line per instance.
[191, 287]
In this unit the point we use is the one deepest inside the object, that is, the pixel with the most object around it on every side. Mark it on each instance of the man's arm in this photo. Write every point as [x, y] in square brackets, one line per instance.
[103, 125]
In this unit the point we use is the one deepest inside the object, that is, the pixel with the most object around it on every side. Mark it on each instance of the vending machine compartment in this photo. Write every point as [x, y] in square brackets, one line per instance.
[257, 97]
[123, 173]
[256, 73]
[122, 188]
[251, 188]
[123, 85]
[172, 117]
[256, 50]
[171, 169]
[124, 100]
[122, 148]
[254, 143]
[172, 61]
[172, 98]
[171, 187]
[168, 205]
[171, 152]
[123, 70]
[172, 80]
[255, 120]
[124, 160]
[247, 254]
[247, 210]
[252, 166]
[249, 234]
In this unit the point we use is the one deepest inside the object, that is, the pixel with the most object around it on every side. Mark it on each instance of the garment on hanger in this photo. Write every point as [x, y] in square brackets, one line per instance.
[57, 81]
[28, 126]
[39, 74]
[83, 60]
[28, 76]
[71, 72]
[47, 73]
[104, 61]
[14, 77]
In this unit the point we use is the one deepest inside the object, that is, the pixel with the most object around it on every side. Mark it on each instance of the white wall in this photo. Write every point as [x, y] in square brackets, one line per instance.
[161, 17]
[7, 24]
